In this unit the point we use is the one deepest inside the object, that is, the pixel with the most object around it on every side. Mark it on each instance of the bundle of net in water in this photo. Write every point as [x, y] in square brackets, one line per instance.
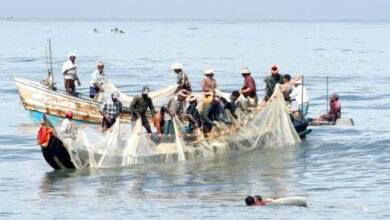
[269, 126]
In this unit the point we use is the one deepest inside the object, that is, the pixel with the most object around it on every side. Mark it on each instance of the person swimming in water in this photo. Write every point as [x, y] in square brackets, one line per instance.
[257, 200]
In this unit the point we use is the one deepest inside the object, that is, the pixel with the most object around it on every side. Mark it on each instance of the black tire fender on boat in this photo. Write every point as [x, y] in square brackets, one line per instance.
[56, 154]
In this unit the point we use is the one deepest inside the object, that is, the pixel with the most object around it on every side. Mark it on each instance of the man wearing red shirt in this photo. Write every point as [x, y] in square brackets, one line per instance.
[249, 89]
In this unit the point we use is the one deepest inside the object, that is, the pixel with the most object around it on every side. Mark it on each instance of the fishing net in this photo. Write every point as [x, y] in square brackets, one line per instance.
[269, 127]
[159, 97]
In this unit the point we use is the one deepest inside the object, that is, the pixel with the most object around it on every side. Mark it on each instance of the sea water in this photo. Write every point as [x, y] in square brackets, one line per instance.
[343, 171]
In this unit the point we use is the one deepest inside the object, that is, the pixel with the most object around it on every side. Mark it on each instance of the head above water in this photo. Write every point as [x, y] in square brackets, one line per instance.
[249, 201]
[258, 198]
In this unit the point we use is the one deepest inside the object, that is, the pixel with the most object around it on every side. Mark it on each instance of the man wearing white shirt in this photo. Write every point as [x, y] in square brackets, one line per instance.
[98, 80]
[69, 70]
[299, 93]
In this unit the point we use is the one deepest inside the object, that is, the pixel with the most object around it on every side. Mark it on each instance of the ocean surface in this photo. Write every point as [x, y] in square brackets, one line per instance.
[343, 171]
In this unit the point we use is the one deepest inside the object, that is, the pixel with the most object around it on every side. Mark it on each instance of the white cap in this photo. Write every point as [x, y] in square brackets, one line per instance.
[245, 70]
[115, 95]
[71, 55]
[177, 66]
[209, 71]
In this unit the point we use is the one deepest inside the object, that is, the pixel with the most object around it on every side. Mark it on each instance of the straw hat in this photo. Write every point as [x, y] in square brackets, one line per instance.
[298, 79]
[209, 72]
[274, 69]
[177, 66]
[245, 70]
[100, 63]
[115, 95]
[71, 55]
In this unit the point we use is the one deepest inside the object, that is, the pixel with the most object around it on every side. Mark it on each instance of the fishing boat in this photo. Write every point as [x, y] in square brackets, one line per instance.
[268, 127]
[40, 99]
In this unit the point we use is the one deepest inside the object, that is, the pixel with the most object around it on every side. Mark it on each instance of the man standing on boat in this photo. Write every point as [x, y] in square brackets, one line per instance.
[271, 81]
[140, 105]
[182, 78]
[249, 88]
[208, 83]
[111, 110]
[176, 106]
[98, 80]
[69, 70]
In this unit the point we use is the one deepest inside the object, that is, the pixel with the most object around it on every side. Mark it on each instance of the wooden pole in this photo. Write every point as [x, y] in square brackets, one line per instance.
[302, 97]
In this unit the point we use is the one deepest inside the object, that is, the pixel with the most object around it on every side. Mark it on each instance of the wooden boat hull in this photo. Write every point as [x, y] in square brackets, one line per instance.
[39, 100]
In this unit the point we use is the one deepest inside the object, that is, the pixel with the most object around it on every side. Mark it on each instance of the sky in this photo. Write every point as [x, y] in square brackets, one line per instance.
[199, 9]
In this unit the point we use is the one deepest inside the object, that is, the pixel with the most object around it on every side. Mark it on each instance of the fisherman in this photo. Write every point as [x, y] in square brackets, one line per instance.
[97, 81]
[288, 88]
[69, 70]
[182, 78]
[213, 112]
[67, 128]
[235, 104]
[140, 105]
[258, 200]
[299, 94]
[194, 119]
[111, 109]
[208, 83]
[250, 87]
[271, 81]
[158, 121]
[176, 106]
[335, 109]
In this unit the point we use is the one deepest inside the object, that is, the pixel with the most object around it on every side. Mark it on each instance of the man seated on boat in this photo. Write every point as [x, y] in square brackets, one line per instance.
[299, 94]
[335, 109]
[271, 81]
[67, 129]
[140, 105]
[158, 121]
[233, 104]
[194, 119]
[182, 79]
[97, 81]
[214, 111]
[69, 70]
[250, 87]
[176, 106]
[111, 109]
